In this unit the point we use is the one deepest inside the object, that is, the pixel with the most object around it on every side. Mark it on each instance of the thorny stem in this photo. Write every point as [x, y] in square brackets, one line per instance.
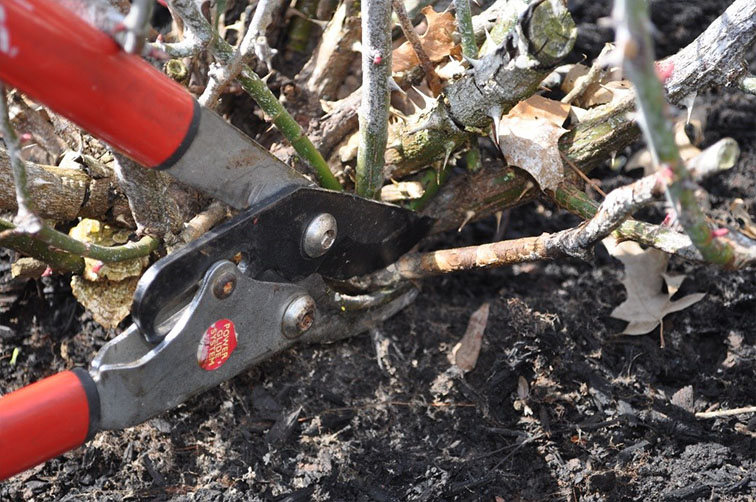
[253, 44]
[409, 31]
[374, 109]
[634, 42]
[465, 28]
[26, 217]
[256, 87]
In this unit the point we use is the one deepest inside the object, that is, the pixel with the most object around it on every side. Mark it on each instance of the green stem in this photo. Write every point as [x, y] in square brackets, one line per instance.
[300, 28]
[60, 261]
[374, 109]
[465, 28]
[634, 41]
[432, 181]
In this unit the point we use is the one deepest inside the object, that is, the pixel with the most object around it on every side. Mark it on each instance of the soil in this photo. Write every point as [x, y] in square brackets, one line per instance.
[377, 417]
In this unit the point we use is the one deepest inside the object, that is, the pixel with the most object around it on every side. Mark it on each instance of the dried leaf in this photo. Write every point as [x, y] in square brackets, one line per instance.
[606, 93]
[437, 41]
[108, 301]
[529, 137]
[466, 352]
[104, 235]
[646, 303]
[538, 107]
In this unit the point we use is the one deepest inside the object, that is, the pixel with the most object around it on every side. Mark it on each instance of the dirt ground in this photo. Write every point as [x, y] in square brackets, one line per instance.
[373, 418]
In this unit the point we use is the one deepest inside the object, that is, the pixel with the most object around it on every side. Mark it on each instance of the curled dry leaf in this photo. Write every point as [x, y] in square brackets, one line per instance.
[437, 42]
[465, 353]
[646, 303]
[106, 289]
[529, 137]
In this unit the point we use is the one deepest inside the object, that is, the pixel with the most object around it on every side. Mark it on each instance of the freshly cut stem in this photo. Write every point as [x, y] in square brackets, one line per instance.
[374, 109]
[634, 42]
[465, 28]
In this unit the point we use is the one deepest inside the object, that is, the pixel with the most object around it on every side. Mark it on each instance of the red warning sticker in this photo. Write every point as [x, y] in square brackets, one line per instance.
[217, 344]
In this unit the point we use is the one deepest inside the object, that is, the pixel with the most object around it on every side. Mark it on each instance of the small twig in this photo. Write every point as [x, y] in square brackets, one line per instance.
[409, 31]
[60, 261]
[376, 91]
[582, 175]
[726, 413]
[635, 45]
[204, 221]
[747, 83]
[26, 218]
[253, 44]
[465, 28]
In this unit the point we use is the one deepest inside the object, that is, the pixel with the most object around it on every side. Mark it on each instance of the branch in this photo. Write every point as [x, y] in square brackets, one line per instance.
[635, 44]
[374, 110]
[465, 28]
[543, 34]
[618, 206]
[26, 218]
[66, 193]
[253, 44]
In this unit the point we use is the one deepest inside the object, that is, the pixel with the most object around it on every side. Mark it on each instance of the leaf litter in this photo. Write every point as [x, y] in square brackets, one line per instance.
[645, 274]
[529, 138]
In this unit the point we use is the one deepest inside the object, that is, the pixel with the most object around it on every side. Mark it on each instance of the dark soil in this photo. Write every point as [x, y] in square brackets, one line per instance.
[369, 418]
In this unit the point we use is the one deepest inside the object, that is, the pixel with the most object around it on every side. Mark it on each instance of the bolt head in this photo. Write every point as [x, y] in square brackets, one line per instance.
[224, 286]
[298, 316]
[319, 235]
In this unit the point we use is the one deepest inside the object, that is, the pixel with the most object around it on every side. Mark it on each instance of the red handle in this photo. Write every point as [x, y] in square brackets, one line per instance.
[45, 419]
[78, 71]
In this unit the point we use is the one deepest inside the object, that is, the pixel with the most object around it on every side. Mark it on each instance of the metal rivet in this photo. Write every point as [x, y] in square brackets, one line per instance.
[298, 317]
[319, 235]
[224, 285]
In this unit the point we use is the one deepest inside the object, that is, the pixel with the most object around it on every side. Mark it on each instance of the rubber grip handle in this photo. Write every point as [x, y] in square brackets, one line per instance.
[50, 54]
[45, 419]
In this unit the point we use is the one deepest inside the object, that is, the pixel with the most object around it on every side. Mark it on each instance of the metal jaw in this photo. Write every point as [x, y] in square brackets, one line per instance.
[233, 323]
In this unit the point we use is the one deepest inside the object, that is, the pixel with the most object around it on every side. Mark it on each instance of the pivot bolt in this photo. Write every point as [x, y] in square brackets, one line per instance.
[224, 285]
[319, 235]
[298, 316]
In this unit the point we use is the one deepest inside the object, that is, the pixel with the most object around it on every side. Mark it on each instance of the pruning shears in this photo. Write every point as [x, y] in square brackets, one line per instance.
[237, 295]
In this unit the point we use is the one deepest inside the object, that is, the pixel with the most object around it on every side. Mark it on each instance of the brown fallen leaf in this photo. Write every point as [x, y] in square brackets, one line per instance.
[437, 41]
[465, 353]
[646, 303]
[529, 137]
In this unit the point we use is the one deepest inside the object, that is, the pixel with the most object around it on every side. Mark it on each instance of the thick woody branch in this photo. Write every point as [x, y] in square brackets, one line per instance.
[618, 206]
